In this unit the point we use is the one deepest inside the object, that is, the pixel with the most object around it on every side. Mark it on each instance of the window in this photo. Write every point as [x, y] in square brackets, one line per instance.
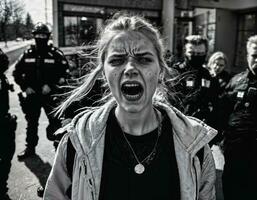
[70, 31]
[247, 27]
[79, 30]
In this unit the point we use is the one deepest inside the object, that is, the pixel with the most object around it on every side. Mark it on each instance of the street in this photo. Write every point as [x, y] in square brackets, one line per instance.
[26, 176]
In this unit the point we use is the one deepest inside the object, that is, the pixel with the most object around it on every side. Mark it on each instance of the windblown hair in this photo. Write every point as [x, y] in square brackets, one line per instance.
[115, 26]
[251, 40]
[215, 56]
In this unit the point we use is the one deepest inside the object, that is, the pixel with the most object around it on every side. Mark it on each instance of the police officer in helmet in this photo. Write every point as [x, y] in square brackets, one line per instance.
[40, 72]
[8, 125]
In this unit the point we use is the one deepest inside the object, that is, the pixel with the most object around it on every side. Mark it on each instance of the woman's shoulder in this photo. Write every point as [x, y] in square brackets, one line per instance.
[188, 129]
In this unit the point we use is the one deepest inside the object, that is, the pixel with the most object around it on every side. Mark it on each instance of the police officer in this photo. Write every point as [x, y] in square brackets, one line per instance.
[8, 126]
[39, 73]
[240, 131]
[196, 90]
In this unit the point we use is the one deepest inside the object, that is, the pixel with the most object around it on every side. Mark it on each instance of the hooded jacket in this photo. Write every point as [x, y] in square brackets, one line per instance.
[87, 135]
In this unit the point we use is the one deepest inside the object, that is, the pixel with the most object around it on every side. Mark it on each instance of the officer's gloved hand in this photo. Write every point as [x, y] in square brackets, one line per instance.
[46, 89]
[29, 91]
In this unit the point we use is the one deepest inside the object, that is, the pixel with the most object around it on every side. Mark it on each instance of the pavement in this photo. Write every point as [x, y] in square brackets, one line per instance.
[26, 176]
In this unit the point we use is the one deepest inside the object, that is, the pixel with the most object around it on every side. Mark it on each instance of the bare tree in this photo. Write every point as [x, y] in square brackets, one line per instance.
[17, 16]
[11, 11]
[28, 26]
[5, 15]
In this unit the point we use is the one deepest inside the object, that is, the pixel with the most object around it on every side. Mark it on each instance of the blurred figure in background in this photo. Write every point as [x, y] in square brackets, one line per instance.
[40, 72]
[240, 130]
[8, 126]
[169, 58]
[217, 65]
[197, 90]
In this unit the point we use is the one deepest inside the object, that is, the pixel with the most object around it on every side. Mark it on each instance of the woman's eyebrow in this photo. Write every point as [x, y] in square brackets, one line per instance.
[143, 54]
[118, 54]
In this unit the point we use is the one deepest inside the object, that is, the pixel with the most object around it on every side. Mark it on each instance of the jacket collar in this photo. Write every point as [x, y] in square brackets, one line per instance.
[89, 127]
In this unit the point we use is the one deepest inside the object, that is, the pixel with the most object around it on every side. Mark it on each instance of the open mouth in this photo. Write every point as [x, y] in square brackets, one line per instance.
[132, 91]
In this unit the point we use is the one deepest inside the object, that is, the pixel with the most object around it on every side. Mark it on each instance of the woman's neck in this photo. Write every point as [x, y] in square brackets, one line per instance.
[137, 123]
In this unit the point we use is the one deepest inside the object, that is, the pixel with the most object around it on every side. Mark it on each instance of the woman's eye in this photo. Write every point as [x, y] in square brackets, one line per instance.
[144, 60]
[116, 61]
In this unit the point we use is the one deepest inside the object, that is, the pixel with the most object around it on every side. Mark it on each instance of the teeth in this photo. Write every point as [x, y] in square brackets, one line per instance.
[131, 85]
[132, 96]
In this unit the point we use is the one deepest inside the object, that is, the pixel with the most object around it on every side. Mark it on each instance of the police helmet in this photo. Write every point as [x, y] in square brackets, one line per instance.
[41, 28]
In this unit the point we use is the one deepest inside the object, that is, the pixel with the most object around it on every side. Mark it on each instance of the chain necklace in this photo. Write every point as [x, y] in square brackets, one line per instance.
[139, 167]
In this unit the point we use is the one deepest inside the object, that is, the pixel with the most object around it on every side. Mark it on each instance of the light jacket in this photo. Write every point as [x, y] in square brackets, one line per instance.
[87, 134]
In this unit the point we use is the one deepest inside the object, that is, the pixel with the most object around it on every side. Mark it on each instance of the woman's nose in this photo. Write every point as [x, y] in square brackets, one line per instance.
[131, 70]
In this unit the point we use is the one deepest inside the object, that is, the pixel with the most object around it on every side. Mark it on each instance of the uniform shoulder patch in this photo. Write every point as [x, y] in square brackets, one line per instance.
[179, 65]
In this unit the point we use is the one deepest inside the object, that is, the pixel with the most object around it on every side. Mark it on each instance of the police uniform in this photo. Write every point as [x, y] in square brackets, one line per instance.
[35, 69]
[197, 92]
[223, 79]
[8, 126]
[240, 152]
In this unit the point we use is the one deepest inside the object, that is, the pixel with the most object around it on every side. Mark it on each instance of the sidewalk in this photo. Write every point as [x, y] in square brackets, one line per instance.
[14, 45]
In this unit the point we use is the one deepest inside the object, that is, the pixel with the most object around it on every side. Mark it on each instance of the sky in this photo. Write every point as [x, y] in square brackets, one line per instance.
[36, 8]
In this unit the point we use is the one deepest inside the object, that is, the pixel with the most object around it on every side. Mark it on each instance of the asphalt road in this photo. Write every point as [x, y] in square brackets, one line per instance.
[26, 176]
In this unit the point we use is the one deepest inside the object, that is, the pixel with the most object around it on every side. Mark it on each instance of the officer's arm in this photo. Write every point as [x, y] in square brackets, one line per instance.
[18, 73]
[4, 61]
[62, 64]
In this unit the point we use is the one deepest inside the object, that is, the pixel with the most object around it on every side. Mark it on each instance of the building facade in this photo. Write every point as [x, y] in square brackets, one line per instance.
[226, 23]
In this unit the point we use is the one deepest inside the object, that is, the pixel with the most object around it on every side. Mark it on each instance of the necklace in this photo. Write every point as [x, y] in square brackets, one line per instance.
[139, 167]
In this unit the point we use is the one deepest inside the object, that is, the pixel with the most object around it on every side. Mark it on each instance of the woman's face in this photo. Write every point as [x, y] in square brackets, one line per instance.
[217, 66]
[131, 67]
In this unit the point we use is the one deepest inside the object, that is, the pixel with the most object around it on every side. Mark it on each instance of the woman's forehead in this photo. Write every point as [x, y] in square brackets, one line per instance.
[130, 42]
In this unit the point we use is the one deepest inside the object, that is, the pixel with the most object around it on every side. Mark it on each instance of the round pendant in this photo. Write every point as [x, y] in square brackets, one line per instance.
[139, 168]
